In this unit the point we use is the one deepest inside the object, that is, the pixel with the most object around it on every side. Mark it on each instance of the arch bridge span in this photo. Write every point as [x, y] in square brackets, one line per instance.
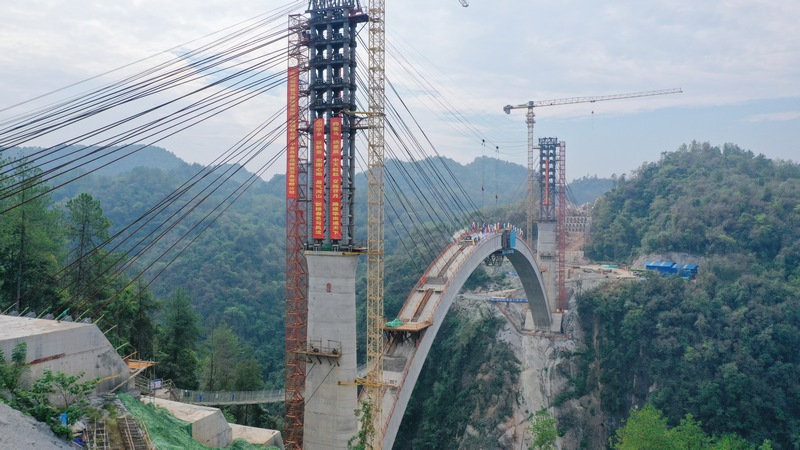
[424, 311]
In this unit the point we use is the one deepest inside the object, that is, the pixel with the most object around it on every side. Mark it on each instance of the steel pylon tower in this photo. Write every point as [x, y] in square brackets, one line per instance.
[296, 224]
[375, 213]
[529, 120]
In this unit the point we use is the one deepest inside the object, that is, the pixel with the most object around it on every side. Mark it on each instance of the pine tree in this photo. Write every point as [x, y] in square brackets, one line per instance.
[177, 356]
[30, 241]
[220, 364]
[86, 230]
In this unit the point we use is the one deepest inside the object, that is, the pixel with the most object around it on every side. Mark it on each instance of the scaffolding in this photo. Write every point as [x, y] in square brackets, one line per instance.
[375, 215]
[296, 230]
[331, 39]
[320, 169]
[561, 227]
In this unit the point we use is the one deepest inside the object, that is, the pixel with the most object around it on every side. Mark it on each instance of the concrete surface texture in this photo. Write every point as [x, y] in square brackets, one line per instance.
[258, 436]
[546, 245]
[329, 413]
[66, 347]
[208, 424]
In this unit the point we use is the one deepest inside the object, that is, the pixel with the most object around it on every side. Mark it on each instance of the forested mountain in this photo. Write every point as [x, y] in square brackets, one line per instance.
[587, 188]
[219, 302]
[723, 347]
[707, 201]
[110, 161]
[233, 272]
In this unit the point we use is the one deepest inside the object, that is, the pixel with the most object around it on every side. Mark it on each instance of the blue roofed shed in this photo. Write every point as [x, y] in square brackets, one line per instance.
[668, 267]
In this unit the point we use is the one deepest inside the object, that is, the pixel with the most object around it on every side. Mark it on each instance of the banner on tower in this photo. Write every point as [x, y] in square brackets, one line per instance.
[336, 178]
[292, 133]
[318, 203]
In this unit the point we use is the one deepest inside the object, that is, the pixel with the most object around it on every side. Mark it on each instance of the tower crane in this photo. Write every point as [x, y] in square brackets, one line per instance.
[529, 119]
[560, 231]
[375, 215]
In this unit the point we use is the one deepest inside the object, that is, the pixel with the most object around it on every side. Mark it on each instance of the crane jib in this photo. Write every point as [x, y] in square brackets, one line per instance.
[571, 100]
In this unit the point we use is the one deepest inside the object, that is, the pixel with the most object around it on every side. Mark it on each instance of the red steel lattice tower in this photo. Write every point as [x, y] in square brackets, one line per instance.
[296, 230]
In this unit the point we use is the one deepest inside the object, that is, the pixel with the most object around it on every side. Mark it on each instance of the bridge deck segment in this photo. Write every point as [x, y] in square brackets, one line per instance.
[425, 309]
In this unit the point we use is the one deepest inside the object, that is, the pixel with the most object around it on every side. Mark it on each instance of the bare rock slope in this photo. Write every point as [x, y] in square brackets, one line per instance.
[21, 432]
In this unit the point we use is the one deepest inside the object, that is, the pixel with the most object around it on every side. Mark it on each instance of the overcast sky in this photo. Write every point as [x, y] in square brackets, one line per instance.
[737, 61]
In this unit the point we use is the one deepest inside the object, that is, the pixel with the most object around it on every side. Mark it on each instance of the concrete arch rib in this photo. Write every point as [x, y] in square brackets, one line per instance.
[424, 311]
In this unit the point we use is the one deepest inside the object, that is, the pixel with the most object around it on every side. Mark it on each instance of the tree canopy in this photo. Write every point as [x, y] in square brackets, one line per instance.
[724, 346]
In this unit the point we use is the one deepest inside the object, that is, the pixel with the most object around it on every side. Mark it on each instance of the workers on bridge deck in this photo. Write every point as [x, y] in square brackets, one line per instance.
[495, 228]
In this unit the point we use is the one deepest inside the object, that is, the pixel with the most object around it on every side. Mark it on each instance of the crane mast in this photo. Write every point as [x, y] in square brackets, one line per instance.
[375, 215]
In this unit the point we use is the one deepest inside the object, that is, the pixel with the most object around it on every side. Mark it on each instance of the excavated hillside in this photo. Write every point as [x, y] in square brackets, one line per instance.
[551, 369]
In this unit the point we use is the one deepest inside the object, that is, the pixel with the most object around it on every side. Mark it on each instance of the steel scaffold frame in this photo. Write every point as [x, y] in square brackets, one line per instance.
[561, 228]
[530, 201]
[296, 268]
[375, 214]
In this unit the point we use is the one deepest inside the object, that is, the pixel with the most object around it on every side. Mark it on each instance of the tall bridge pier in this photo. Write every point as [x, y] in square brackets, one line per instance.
[321, 189]
[551, 202]
[331, 367]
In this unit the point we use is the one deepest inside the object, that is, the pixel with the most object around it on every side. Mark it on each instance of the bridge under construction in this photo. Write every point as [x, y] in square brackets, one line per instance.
[322, 379]
[323, 123]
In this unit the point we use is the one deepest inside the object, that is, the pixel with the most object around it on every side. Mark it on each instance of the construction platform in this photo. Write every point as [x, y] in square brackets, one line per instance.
[408, 326]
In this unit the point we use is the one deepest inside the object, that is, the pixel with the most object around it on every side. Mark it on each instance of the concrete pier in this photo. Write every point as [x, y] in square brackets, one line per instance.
[546, 245]
[546, 251]
[329, 411]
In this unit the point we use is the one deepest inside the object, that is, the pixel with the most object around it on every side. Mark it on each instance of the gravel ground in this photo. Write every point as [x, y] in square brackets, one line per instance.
[18, 431]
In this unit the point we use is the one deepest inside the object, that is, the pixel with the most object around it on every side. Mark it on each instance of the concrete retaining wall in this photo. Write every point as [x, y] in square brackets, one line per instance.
[66, 347]
[208, 424]
[258, 436]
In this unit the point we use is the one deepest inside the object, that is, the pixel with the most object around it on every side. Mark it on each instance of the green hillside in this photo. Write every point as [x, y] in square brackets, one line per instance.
[233, 272]
[707, 201]
[723, 347]
[219, 302]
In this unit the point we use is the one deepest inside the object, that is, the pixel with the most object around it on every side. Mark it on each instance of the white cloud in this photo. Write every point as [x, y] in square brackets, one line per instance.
[775, 117]
[723, 53]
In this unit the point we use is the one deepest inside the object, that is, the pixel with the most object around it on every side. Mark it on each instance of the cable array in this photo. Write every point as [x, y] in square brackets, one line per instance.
[166, 99]
[203, 83]
[417, 171]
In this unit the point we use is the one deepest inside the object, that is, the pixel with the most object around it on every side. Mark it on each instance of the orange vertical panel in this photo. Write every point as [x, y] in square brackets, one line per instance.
[292, 132]
[318, 204]
[336, 178]
[547, 181]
